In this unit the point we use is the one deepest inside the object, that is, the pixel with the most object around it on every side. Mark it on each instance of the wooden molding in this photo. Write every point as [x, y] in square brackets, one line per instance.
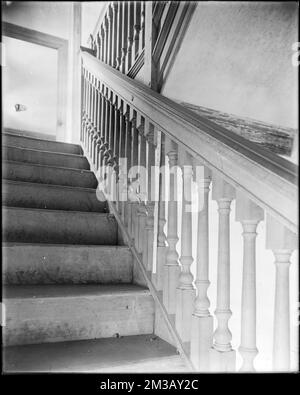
[270, 181]
[32, 36]
[88, 50]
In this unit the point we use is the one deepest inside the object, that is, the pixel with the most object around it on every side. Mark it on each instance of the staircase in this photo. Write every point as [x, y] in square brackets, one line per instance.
[70, 295]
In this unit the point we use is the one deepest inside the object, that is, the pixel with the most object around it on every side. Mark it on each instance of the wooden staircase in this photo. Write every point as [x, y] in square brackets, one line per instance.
[70, 296]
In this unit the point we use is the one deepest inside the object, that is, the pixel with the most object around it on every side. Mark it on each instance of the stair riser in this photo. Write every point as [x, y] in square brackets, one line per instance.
[61, 227]
[31, 143]
[51, 197]
[48, 175]
[30, 321]
[44, 158]
[42, 264]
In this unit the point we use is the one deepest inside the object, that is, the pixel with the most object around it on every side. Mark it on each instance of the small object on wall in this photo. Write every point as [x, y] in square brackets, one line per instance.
[20, 107]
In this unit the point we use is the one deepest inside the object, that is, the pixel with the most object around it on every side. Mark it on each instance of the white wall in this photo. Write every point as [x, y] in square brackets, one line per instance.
[29, 78]
[51, 17]
[236, 58]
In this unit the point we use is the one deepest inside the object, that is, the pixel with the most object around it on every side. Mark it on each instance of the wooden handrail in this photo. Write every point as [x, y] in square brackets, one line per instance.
[267, 179]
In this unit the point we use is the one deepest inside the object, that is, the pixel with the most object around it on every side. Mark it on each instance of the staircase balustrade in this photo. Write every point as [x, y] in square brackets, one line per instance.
[124, 120]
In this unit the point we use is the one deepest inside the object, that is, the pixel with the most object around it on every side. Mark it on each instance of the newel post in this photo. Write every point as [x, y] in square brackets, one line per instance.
[222, 354]
[282, 242]
[249, 214]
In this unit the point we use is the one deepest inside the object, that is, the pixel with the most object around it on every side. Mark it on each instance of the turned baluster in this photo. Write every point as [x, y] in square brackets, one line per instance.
[116, 151]
[130, 34]
[102, 38]
[93, 130]
[111, 130]
[149, 228]
[137, 29]
[124, 36]
[90, 102]
[95, 122]
[110, 31]
[89, 124]
[161, 236]
[106, 39]
[110, 144]
[282, 242]
[132, 173]
[142, 31]
[98, 40]
[141, 213]
[114, 34]
[122, 167]
[103, 129]
[116, 131]
[185, 293]
[86, 111]
[106, 128]
[249, 214]
[93, 45]
[119, 36]
[202, 320]
[223, 355]
[83, 106]
[91, 136]
[172, 269]
[85, 115]
[99, 132]
[128, 158]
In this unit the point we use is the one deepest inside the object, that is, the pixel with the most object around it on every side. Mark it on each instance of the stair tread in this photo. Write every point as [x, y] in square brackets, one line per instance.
[54, 245]
[68, 291]
[30, 133]
[47, 166]
[53, 186]
[47, 174]
[38, 139]
[5, 146]
[139, 351]
[29, 155]
[47, 211]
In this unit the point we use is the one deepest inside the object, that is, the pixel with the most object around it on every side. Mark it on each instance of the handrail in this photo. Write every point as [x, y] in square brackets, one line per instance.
[269, 180]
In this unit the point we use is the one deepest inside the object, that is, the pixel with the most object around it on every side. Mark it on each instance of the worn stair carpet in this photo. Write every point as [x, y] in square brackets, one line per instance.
[71, 304]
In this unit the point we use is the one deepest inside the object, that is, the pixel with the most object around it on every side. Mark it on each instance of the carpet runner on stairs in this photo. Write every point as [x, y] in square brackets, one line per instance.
[69, 290]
